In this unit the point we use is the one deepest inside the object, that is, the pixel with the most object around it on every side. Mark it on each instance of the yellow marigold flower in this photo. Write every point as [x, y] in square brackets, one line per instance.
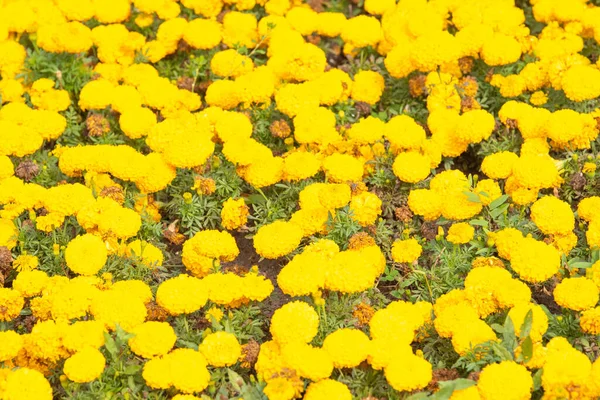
[470, 335]
[576, 294]
[470, 393]
[265, 172]
[304, 274]
[300, 165]
[230, 64]
[203, 33]
[538, 98]
[535, 261]
[30, 283]
[25, 383]
[362, 31]
[590, 321]
[552, 216]
[365, 208]
[309, 362]
[589, 168]
[277, 239]
[240, 29]
[581, 82]
[411, 166]
[327, 389]
[157, 373]
[204, 247]
[488, 190]
[114, 307]
[368, 86]
[152, 339]
[181, 295]
[234, 214]
[281, 388]
[460, 233]
[500, 49]
[83, 334]
[505, 380]
[150, 255]
[12, 303]
[354, 271]
[10, 345]
[214, 312]
[408, 373]
[25, 262]
[188, 370]
[330, 24]
[347, 347]
[343, 168]
[85, 366]
[86, 254]
[404, 133]
[305, 62]
[294, 321]
[406, 251]
[8, 233]
[499, 165]
[136, 122]
[539, 322]
[425, 202]
[221, 349]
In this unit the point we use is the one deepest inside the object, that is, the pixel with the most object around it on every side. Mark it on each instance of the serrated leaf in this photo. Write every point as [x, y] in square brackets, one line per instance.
[498, 202]
[526, 326]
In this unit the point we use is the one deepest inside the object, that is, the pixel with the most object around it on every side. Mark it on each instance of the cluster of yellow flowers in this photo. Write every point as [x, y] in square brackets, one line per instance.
[179, 87]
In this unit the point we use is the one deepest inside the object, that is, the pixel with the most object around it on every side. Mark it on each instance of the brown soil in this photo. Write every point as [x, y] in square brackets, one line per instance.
[269, 268]
[542, 294]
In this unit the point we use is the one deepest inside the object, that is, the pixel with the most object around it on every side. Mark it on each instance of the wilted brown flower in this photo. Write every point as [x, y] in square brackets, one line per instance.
[97, 125]
[27, 170]
[249, 354]
[360, 240]
[113, 192]
[280, 129]
[363, 313]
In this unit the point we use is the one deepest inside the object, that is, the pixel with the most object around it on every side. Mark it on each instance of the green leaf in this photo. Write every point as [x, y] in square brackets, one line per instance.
[498, 202]
[537, 379]
[503, 353]
[235, 380]
[132, 369]
[580, 264]
[472, 197]
[479, 222]
[256, 199]
[526, 326]
[527, 349]
[418, 396]
[496, 212]
[449, 387]
[498, 328]
[110, 345]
